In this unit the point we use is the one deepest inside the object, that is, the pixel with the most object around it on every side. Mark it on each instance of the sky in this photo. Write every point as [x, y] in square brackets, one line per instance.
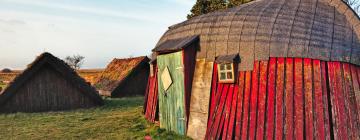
[99, 30]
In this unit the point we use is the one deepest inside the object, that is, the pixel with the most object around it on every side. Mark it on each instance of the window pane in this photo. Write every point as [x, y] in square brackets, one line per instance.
[228, 66]
[229, 75]
[222, 66]
[222, 76]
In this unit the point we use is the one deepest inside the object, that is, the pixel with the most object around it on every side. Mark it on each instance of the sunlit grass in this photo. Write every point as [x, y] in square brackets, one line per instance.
[117, 119]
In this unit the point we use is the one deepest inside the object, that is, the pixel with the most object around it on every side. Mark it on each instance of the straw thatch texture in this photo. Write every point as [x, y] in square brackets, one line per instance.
[122, 74]
[320, 29]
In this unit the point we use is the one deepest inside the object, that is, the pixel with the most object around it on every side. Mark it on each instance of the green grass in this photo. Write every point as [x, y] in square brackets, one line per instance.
[117, 119]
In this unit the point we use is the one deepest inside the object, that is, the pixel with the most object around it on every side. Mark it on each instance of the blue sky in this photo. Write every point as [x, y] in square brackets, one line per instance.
[100, 30]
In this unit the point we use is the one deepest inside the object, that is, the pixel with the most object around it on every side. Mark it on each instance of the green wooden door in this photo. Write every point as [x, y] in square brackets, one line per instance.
[171, 92]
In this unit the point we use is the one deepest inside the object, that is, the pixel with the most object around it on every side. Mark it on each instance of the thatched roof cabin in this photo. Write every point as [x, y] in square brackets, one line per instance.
[48, 84]
[297, 76]
[124, 77]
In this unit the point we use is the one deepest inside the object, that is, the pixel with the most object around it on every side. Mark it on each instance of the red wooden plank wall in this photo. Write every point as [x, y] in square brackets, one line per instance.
[151, 99]
[290, 98]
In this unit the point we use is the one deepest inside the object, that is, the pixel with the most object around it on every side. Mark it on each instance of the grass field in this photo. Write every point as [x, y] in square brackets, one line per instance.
[117, 119]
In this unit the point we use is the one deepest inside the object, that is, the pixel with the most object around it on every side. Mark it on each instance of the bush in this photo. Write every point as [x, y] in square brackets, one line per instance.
[6, 70]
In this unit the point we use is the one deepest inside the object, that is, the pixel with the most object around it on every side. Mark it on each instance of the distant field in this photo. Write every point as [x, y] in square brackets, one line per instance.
[118, 119]
[89, 75]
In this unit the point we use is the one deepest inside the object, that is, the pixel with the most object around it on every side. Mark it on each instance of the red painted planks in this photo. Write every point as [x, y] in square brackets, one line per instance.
[350, 102]
[262, 100]
[319, 126]
[356, 87]
[232, 125]
[336, 89]
[279, 103]
[220, 98]
[239, 108]
[246, 107]
[308, 91]
[298, 99]
[151, 104]
[270, 107]
[253, 100]
[289, 93]
[226, 114]
[218, 112]
[326, 98]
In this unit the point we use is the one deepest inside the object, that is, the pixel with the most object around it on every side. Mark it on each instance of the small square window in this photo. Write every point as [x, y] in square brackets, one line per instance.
[226, 73]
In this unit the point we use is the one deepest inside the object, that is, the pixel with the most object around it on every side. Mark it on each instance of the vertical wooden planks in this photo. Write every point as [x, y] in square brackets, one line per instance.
[246, 107]
[298, 99]
[279, 103]
[337, 100]
[289, 98]
[263, 72]
[172, 109]
[350, 103]
[239, 108]
[308, 91]
[270, 107]
[226, 115]
[356, 86]
[319, 121]
[253, 100]
[326, 100]
[235, 101]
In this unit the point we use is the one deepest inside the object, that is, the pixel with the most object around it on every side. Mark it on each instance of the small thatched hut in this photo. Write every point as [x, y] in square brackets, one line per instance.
[284, 69]
[48, 84]
[124, 77]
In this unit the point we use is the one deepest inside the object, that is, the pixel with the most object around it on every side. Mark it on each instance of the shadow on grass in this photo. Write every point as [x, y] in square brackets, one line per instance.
[111, 103]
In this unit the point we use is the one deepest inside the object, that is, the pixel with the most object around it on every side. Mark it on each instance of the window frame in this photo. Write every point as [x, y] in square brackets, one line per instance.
[226, 71]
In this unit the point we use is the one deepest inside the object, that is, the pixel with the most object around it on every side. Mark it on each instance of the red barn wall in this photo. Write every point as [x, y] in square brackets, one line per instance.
[46, 90]
[151, 100]
[287, 98]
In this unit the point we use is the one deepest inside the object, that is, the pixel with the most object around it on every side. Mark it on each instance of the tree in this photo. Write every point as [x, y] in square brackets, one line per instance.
[75, 61]
[207, 6]
[6, 70]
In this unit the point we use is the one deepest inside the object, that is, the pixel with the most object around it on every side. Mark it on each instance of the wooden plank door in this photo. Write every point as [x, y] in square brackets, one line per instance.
[172, 113]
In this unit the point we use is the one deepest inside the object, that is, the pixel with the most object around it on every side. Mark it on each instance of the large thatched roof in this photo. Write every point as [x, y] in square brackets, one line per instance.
[117, 71]
[320, 29]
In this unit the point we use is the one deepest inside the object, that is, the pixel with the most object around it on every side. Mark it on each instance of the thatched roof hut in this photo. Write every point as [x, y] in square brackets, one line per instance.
[299, 65]
[124, 77]
[48, 84]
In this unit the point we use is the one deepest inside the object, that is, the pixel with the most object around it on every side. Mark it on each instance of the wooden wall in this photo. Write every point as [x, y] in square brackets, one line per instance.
[151, 100]
[135, 83]
[47, 90]
[288, 98]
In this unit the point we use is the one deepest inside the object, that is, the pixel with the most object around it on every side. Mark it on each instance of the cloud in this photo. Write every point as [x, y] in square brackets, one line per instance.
[87, 10]
[13, 22]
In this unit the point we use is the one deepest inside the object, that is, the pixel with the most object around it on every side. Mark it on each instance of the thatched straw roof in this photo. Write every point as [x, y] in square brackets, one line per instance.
[117, 71]
[320, 29]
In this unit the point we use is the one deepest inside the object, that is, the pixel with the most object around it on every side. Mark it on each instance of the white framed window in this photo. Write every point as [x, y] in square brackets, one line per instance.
[226, 73]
